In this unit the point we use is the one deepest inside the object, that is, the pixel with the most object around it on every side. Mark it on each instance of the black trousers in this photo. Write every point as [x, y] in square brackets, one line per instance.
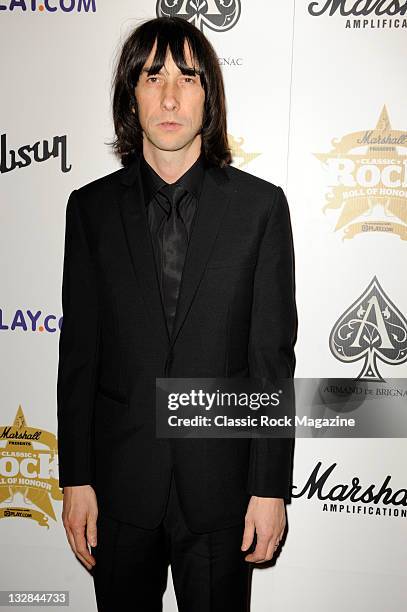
[209, 571]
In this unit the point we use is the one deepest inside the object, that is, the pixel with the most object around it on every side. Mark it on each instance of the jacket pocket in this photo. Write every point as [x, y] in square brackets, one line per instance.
[112, 395]
[248, 263]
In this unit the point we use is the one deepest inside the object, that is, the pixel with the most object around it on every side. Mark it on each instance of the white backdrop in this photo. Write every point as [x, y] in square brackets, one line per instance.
[308, 96]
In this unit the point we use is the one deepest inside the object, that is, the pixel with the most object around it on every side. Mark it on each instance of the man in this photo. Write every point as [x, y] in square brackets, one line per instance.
[176, 265]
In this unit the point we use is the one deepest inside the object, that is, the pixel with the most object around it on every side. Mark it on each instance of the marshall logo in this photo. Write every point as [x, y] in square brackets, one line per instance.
[372, 329]
[372, 499]
[217, 15]
[363, 8]
[367, 173]
[240, 157]
[28, 474]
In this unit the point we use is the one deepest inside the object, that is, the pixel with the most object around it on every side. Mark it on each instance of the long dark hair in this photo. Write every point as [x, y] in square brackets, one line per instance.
[172, 31]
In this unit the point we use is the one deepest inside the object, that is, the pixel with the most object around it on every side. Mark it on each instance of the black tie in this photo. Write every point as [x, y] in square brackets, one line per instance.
[174, 247]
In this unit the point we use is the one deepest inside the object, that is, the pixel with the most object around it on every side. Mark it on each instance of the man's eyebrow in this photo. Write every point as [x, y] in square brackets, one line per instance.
[147, 68]
[190, 70]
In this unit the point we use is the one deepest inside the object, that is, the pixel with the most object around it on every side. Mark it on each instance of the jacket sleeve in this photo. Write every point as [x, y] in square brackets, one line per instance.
[78, 353]
[273, 334]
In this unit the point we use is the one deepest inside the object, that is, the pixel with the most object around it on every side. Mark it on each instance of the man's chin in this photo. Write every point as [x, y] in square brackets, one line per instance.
[170, 146]
[171, 143]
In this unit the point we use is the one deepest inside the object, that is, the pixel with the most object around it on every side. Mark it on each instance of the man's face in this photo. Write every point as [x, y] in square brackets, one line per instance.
[170, 104]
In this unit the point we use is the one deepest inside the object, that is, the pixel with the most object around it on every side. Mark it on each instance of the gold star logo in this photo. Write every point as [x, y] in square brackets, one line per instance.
[29, 471]
[368, 180]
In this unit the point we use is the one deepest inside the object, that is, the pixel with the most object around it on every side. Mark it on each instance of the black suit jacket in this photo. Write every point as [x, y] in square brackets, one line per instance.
[236, 316]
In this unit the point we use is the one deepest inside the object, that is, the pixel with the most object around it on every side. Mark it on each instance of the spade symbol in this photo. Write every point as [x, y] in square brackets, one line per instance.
[371, 329]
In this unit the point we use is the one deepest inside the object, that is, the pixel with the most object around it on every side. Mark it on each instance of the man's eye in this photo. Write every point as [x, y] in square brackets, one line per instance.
[151, 77]
[190, 79]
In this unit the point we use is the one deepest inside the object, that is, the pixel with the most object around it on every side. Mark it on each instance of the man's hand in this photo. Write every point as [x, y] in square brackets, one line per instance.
[79, 516]
[266, 517]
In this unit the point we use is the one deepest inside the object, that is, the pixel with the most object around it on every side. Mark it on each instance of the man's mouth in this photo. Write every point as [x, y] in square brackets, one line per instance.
[169, 125]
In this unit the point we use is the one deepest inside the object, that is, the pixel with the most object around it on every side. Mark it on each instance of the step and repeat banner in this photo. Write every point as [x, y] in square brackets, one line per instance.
[315, 94]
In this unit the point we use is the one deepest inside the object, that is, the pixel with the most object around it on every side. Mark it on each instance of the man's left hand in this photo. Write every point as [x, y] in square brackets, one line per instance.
[266, 517]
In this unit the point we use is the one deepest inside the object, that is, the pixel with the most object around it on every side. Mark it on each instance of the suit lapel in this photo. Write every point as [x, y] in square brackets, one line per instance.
[212, 206]
[135, 223]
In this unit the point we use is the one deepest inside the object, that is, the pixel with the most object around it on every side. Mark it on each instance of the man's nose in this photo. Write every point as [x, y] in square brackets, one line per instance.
[169, 99]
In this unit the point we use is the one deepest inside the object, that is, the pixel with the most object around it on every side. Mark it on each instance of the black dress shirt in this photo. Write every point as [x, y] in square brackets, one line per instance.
[152, 182]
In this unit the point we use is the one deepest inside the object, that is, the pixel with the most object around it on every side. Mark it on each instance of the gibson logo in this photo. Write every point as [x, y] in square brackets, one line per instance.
[372, 328]
[218, 16]
[317, 485]
[10, 159]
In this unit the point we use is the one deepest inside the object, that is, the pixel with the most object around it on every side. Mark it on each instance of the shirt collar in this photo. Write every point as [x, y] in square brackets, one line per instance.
[191, 180]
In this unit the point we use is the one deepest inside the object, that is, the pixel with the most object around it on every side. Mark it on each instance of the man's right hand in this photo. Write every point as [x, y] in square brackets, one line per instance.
[79, 514]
